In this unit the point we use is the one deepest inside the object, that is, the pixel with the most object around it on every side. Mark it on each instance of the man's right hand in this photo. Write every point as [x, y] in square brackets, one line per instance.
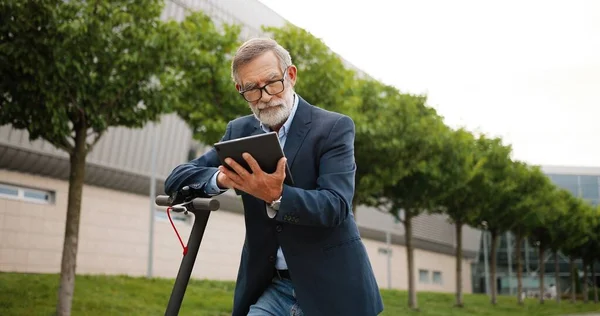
[223, 182]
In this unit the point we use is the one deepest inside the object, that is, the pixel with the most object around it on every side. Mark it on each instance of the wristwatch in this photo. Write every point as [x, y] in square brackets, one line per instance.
[275, 204]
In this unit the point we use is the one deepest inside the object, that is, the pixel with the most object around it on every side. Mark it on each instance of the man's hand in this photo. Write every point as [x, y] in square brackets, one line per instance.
[223, 182]
[265, 186]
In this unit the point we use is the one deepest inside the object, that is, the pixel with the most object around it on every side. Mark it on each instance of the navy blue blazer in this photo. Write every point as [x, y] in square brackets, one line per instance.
[314, 226]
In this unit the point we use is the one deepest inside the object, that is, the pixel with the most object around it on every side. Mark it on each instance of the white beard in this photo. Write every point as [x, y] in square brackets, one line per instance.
[276, 111]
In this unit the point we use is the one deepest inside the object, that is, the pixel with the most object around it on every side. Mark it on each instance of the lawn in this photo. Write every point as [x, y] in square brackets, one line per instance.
[35, 294]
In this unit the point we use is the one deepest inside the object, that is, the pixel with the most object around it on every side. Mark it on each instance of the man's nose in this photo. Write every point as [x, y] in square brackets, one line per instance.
[265, 97]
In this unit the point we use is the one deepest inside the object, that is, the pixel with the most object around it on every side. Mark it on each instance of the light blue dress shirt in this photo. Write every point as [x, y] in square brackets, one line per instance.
[213, 189]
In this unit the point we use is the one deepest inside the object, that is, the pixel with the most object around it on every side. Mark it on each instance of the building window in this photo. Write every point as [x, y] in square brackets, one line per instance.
[423, 276]
[437, 277]
[15, 192]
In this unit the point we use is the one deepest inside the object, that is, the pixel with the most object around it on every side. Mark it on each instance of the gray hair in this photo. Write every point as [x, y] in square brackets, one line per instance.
[256, 47]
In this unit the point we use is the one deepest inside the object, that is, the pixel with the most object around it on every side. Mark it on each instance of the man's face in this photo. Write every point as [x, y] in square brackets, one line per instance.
[271, 110]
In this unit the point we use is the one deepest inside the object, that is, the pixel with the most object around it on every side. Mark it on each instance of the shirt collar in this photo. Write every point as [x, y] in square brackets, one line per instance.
[286, 126]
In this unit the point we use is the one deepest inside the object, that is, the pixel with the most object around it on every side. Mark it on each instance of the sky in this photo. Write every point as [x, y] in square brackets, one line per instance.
[526, 71]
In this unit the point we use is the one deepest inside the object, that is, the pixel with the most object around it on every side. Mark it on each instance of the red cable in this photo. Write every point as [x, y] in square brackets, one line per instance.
[185, 248]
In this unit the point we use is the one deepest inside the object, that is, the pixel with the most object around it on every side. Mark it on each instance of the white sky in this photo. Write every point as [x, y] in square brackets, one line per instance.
[528, 71]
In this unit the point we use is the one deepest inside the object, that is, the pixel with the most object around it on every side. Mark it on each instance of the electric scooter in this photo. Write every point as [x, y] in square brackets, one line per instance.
[185, 201]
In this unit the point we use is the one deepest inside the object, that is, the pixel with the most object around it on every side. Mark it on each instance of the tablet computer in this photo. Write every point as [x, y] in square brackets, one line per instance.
[265, 148]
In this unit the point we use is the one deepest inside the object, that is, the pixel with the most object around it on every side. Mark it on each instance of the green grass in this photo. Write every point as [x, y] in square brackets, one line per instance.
[35, 294]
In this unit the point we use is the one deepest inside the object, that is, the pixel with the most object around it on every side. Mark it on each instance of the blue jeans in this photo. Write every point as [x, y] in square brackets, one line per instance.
[278, 299]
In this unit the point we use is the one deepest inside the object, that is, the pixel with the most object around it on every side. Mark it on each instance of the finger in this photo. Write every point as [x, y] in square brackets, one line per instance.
[224, 181]
[281, 167]
[252, 163]
[231, 175]
[236, 167]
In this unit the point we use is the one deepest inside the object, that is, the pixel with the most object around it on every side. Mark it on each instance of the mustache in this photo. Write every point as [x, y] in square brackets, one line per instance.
[262, 106]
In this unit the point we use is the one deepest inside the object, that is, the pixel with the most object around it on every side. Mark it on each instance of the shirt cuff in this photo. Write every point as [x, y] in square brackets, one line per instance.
[271, 212]
[211, 187]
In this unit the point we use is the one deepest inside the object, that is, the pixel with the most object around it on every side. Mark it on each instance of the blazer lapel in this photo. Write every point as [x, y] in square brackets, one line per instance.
[298, 130]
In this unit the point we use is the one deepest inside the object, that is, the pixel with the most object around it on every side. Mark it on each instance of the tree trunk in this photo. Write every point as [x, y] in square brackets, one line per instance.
[459, 255]
[574, 277]
[518, 244]
[412, 292]
[557, 276]
[493, 283]
[594, 283]
[586, 290]
[542, 266]
[69, 255]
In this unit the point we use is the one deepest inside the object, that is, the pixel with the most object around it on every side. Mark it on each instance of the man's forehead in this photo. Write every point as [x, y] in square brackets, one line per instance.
[261, 77]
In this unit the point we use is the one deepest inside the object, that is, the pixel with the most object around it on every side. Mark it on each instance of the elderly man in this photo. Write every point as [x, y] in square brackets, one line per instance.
[302, 254]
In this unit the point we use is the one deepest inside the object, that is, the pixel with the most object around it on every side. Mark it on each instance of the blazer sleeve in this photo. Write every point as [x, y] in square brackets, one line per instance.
[197, 172]
[331, 202]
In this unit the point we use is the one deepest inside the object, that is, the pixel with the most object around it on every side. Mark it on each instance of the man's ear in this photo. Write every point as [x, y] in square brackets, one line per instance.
[292, 73]
[237, 87]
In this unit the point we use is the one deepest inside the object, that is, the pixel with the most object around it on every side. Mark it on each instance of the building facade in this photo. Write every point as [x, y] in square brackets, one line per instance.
[117, 210]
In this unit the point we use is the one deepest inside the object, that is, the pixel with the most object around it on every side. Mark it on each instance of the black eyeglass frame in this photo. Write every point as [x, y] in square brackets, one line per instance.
[263, 88]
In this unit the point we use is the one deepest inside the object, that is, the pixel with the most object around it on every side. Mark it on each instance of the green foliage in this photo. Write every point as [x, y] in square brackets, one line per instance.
[99, 64]
[472, 175]
[569, 229]
[497, 185]
[207, 99]
[323, 79]
[549, 208]
[411, 147]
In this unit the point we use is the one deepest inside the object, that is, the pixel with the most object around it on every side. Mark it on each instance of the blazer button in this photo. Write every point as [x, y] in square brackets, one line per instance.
[278, 228]
[271, 259]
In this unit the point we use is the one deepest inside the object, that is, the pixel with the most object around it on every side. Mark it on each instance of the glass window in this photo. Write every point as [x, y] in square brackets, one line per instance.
[8, 191]
[423, 276]
[37, 195]
[437, 277]
[589, 187]
[26, 194]
[566, 181]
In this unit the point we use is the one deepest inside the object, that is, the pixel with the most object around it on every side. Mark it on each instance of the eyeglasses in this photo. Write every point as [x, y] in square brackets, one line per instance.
[271, 88]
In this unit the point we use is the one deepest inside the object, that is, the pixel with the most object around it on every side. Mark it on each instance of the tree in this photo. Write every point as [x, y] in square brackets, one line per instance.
[548, 209]
[526, 209]
[565, 231]
[72, 69]
[409, 168]
[467, 164]
[207, 100]
[578, 228]
[589, 252]
[498, 189]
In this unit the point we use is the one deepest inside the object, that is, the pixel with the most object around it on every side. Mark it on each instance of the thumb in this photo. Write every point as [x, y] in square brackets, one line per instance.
[281, 167]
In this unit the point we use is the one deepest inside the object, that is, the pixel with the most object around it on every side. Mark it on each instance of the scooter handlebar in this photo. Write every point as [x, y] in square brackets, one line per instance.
[196, 204]
[163, 200]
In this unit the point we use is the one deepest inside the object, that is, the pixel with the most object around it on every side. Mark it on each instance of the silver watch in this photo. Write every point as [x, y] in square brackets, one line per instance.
[275, 204]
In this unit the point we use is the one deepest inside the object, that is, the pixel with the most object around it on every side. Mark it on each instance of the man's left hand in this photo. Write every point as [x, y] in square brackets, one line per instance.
[265, 186]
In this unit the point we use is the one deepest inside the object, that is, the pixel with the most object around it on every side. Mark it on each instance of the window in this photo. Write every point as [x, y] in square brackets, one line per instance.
[26, 194]
[437, 277]
[568, 182]
[423, 276]
[589, 187]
